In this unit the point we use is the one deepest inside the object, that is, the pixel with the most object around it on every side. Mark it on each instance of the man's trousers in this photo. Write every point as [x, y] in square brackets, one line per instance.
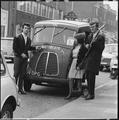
[91, 82]
[20, 65]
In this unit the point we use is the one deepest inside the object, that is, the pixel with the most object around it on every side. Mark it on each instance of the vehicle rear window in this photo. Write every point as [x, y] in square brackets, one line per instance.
[43, 34]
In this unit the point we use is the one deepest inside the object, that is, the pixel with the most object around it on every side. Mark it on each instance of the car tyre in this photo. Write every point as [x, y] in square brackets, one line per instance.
[113, 76]
[27, 85]
[7, 111]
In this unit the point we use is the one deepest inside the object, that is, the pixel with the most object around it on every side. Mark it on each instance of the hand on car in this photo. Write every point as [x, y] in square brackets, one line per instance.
[24, 55]
[87, 45]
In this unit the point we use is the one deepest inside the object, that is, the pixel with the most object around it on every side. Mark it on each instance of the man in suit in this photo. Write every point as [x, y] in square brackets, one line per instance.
[94, 58]
[21, 45]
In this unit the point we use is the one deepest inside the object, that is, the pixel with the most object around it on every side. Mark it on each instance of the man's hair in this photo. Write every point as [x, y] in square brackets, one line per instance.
[95, 21]
[97, 24]
[26, 24]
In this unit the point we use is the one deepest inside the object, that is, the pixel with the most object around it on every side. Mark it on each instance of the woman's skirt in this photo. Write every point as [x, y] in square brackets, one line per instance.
[73, 73]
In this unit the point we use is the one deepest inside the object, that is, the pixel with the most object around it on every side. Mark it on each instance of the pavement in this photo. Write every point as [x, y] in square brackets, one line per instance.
[104, 106]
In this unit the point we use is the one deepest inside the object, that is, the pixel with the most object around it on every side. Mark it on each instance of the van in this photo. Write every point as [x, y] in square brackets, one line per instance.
[49, 63]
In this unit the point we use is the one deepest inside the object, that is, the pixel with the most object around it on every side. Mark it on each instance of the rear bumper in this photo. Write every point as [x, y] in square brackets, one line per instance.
[104, 64]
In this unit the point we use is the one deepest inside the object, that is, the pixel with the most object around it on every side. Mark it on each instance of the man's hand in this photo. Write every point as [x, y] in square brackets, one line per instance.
[87, 46]
[77, 68]
[24, 55]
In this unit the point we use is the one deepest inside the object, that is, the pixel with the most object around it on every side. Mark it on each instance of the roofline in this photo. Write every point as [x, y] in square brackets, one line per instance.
[65, 22]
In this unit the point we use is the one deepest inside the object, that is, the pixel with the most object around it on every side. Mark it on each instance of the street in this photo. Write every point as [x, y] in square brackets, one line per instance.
[43, 99]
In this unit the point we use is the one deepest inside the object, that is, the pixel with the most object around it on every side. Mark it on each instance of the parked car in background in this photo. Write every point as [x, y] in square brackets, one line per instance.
[6, 46]
[109, 52]
[53, 39]
[114, 67]
[9, 91]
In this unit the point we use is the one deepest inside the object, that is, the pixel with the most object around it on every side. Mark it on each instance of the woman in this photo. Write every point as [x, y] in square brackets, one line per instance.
[76, 74]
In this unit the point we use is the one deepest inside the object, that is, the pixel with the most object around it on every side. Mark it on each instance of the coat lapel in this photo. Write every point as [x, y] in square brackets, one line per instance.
[23, 41]
[27, 41]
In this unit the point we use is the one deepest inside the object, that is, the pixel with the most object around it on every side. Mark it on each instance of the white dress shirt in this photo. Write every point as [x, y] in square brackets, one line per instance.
[25, 37]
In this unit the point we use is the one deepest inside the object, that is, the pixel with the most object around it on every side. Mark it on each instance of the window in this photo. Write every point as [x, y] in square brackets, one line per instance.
[2, 31]
[63, 36]
[50, 12]
[14, 4]
[61, 15]
[39, 9]
[24, 7]
[28, 7]
[34, 8]
[56, 14]
[43, 34]
[46, 14]
[19, 5]
[43, 9]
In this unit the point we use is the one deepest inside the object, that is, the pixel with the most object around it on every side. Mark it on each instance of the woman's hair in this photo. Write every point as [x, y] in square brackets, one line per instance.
[80, 37]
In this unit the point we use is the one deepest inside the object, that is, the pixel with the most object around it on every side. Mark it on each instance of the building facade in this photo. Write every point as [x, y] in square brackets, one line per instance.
[93, 9]
[18, 12]
[82, 9]
[106, 16]
[4, 19]
[15, 13]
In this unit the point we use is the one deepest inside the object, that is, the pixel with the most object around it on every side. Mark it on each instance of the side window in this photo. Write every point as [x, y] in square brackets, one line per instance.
[61, 36]
[43, 34]
[2, 67]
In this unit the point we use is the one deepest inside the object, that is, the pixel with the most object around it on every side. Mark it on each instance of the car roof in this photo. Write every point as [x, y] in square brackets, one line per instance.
[62, 23]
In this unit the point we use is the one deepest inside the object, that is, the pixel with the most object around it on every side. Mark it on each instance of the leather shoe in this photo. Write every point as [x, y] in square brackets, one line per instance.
[21, 92]
[67, 97]
[89, 97]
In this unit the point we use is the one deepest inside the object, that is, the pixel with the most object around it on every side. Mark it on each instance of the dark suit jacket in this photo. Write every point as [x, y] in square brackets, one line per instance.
[94, 58]
[19, 46]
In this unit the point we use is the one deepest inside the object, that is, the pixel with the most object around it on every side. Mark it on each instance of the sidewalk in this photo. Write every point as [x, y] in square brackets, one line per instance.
[104, 106]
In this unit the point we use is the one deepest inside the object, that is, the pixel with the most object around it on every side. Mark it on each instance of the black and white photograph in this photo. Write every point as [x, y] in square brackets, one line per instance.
[59, 60]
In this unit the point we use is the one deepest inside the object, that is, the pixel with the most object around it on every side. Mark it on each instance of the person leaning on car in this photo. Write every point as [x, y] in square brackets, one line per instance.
[21, 45]
[94, 58]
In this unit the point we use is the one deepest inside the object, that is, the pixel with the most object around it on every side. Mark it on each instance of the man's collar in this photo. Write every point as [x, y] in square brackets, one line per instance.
[24, 34]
